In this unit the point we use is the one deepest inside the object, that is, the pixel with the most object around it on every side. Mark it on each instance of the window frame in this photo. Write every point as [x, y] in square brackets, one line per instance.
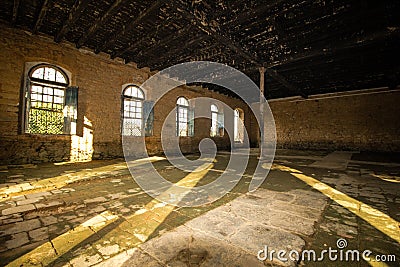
[238, 125]
[178, 122]
[217, 121]
[50, 86]
[214, 120]
[125, 97]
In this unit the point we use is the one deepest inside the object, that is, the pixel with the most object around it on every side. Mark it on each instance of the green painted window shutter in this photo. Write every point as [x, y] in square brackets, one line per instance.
[148, 117]
[191, 122]
[71, 109]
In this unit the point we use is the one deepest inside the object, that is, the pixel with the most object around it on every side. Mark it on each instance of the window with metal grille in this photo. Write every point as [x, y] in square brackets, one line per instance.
[217, 122]
[238, 125]
[132, 121]
[182, 116]
[45, 100]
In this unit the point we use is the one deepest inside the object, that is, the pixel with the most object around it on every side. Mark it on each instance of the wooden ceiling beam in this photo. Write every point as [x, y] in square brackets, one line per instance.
[349, 44]
[154, 59]
[15, 11]
[134, 23]
[166, 41]
[228, 42]
[178, 47]
[243, 17]
[139, 42]
[74, 14]
[42, 14]
[99, 22]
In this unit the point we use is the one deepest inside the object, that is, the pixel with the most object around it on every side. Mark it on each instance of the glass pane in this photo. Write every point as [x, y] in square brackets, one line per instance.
[58, 100]
[128, 91]
[49, 74]
[35, 97]
[58, 92]
[38, 73]
[182, 101]
[36, 89]
[60, 78]
[47, 98]
[140, 93]
[48, 91]
[133, 91]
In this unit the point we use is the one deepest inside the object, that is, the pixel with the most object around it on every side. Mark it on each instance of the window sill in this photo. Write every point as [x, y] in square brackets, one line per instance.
[48, 136]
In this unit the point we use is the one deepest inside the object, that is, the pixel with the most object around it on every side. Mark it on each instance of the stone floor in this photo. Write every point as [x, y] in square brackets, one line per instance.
[94, 214]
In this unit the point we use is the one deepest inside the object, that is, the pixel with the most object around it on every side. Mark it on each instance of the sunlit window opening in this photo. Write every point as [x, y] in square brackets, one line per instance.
[214, 123]
[238, 125]
[217, 122]
[182, 112]
[132, 122]
[45, 100]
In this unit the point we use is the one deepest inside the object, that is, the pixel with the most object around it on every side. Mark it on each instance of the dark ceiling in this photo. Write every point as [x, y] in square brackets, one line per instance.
[307, 47]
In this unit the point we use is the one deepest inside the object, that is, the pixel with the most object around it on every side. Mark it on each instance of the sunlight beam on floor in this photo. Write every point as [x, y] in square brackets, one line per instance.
[376, 218]
[52, 250]
[63, 180]
[146, 220]
[135, 230]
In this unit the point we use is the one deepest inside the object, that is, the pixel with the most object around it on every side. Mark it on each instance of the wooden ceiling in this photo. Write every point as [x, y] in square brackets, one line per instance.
[307, 46]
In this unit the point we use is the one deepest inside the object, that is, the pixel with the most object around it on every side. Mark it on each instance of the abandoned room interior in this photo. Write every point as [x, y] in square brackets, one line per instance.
[199, 133]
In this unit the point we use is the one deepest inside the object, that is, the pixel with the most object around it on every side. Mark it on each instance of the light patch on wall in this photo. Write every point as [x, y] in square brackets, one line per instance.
[82, 146]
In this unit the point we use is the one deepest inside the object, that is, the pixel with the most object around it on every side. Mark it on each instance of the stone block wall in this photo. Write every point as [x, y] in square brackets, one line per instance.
[366, 120]
[100, 81]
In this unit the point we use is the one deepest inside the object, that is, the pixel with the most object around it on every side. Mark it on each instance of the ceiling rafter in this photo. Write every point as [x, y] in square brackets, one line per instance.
[303, 38]
[348, 44]
[166, 41]
[99, 22]
[226, 41]
[152, 60]
[15, 11]
[42, 14]
[139, 41]
[74, 14]
[199, 69]
[202, 37]
[317, 46]
[131, 25]
[243, 17]
[356, 42]
[243, 20]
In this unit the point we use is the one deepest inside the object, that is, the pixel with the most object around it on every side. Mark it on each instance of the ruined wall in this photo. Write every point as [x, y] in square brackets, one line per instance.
[100, 82]
[364, 120]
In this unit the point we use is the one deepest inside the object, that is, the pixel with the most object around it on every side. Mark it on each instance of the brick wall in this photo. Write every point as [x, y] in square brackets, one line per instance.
[367, 120]
[100, 82]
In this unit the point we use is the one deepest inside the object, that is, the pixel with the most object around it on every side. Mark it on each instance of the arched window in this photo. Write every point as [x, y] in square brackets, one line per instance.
[238, 125]
[46, 99]
[182, 116]
[132, 115]
[217, 122]
[214, 120]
